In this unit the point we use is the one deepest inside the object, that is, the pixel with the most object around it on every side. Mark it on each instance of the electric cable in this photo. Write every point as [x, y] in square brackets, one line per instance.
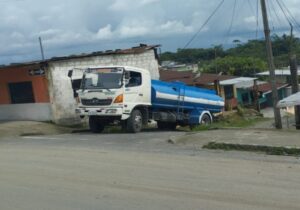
[289, 12]
[231, 22]
[204, 24]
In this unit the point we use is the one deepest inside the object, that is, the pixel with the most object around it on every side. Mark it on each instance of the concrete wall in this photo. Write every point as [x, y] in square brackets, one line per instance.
[60, 90]
[36, 112]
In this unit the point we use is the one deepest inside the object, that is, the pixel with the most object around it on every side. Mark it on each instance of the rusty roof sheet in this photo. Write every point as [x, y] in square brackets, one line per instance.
[134, 50]
[266, 87]
[183, 76]
[208, 79]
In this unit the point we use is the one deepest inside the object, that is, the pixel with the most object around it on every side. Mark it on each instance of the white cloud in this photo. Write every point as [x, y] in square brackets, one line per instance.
[123, 5]
[105, 32]
[173, 26]
[77, 26]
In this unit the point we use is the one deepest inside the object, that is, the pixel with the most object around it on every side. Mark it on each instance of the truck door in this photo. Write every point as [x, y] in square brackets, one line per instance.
[133, 89]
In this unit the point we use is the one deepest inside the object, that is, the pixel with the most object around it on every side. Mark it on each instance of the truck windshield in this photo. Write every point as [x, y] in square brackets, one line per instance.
[103, 79]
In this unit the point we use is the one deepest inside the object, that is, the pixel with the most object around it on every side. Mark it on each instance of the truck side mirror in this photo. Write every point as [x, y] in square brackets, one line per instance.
[70, 73]
[127, 75]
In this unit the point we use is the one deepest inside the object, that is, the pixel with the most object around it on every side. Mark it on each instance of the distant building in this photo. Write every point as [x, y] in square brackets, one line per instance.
[42, 91]
[282, 75]
[172, 65]
[234, 90]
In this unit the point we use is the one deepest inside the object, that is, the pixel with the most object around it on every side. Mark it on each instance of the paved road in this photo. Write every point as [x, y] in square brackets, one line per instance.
[142, 171]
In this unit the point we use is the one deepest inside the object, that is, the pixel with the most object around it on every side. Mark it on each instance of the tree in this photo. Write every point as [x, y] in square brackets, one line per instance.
[251, 49]
[237, 66]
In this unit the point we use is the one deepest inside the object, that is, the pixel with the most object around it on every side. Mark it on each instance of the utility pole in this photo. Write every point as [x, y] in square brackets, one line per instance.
[278, 123]
[42, 49]
[294, 78]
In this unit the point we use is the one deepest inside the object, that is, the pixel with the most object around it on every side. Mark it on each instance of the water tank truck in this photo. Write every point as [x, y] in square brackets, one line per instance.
[129, 97]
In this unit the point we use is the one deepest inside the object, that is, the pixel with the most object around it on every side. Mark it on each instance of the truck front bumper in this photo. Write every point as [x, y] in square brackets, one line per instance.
[105, 111]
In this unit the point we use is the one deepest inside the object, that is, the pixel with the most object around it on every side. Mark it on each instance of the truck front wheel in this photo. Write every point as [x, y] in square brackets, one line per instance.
[95, 125]
[135, 121]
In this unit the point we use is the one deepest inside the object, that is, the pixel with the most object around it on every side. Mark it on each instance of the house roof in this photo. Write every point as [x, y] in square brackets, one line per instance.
[238, 80]
[266, 87]
[134, 50]
[292, 100]
[208, 79]
[172, 75]
[191, 78]
[278, 72]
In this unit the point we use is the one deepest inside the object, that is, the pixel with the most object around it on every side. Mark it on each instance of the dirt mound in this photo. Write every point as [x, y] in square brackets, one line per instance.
[26, 128]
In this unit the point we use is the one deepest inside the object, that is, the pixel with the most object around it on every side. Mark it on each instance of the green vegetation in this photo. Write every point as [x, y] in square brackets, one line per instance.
[239, 66]
[241, 119]
[269, 150]
[243, 59]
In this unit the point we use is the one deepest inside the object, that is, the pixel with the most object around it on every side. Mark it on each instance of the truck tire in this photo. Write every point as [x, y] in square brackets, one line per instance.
[95, 125]
[205, 120]
[135, 121]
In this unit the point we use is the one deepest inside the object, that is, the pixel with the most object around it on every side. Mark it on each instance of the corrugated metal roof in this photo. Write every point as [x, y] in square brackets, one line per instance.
[292, 100]
[278, 72]
[134, 50]
[236, 81]
[208, 79]
[267, 88]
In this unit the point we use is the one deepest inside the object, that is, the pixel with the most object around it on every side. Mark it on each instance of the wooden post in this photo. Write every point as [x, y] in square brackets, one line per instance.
[295, 86]
[278, 123]
[256, 96]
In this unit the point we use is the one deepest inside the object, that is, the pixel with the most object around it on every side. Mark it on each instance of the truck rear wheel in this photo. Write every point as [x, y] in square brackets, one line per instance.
[205, 120]
[95, 125]
[135, 121]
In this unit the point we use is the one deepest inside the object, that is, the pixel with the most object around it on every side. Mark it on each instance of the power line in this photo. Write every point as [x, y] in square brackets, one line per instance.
[289, 12]
[275, 11]
[204, 24]
[285, 15]
[251, 6]
[271, 15]
[231, 22]
[257, 19]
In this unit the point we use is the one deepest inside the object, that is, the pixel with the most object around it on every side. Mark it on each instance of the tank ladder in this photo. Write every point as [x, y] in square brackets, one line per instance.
[180, 103]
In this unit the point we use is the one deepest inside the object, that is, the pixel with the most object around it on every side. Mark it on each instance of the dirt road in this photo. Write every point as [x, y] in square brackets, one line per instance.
[113, 172]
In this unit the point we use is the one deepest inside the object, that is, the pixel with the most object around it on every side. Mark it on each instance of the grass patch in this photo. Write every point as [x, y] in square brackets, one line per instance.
[242, 118]
[269, 150]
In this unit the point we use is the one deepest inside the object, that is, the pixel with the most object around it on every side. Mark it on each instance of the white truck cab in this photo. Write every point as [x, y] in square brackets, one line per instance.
[109, 94]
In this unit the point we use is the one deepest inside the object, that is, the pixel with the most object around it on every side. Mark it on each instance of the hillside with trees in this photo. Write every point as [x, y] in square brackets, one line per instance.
[245, 59]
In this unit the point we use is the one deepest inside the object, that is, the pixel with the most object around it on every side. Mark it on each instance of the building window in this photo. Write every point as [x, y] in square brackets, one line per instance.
[245, 98]
[228, 89]
[135, 79]
[21, 92]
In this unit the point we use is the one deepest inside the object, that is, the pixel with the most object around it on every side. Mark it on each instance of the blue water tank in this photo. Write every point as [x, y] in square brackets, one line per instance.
[174, 95]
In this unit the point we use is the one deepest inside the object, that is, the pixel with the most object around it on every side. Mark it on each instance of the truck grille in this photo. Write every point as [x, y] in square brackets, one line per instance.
[96, 102]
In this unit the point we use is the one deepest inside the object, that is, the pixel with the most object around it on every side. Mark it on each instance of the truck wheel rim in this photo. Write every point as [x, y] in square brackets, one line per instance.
[205, 122]
[138, 121]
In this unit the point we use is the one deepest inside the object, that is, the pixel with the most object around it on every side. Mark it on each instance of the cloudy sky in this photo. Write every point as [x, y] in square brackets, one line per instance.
[80, 26]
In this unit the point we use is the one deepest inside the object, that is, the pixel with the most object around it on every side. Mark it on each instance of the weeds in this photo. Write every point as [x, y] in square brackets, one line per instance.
[269, 150]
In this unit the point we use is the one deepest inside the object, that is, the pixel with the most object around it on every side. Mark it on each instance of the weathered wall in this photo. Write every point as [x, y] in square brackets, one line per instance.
[35, 112]
[60, 90]
[20, 74]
